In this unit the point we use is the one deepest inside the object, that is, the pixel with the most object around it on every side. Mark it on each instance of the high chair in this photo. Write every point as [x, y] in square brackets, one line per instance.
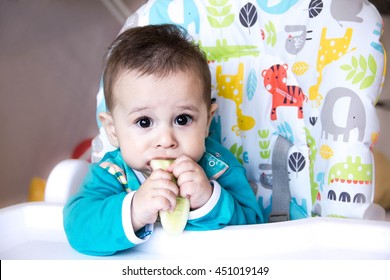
[296, 83]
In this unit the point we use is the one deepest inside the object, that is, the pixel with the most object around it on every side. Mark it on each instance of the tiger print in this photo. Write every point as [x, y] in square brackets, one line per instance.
[275, 82]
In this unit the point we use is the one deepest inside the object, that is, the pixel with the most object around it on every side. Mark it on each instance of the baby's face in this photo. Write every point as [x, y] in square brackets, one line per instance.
[159, 118]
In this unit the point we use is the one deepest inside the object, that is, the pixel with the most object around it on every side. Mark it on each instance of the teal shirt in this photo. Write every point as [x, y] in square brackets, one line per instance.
[95, 219]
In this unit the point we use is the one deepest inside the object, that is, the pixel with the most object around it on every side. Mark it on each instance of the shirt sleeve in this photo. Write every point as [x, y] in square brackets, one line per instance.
[237, 190]
[141, 235]
[205, 209]
[235, 205]
[94, 219]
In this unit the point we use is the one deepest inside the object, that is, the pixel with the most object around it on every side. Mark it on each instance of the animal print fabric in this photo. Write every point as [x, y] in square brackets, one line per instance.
[308, 70]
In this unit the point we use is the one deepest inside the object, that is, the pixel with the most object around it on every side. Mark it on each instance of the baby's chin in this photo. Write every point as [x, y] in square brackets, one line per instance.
[146, 171]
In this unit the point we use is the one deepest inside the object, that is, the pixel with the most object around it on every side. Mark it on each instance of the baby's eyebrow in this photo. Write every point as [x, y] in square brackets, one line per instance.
[189, 108]
[138, 109]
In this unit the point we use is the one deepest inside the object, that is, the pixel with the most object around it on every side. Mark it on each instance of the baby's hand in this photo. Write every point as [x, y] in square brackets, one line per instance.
[192, 181]
[157, 193]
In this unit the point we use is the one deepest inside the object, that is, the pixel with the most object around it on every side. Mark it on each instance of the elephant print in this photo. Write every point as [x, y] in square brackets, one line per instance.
[355, 115]
[347, 10]
[279, 7]
[159, 13]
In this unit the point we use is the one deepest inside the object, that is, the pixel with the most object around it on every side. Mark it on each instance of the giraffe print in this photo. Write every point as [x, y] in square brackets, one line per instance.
[331, 49]
[232, 87]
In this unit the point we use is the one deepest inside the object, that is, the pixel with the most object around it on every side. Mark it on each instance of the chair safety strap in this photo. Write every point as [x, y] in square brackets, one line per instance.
[281, 195]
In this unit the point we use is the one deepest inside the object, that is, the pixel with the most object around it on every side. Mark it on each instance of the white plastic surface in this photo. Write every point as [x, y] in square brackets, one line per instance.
[64, 180]
[34, 231]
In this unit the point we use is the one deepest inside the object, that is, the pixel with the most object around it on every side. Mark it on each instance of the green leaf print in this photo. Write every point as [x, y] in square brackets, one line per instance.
[369, 80]
[240, 151]
[213, 11]
[372, 64]
[350, 75]
[218, 3]
[346, 67]
[358, 78]
[361, 71]
[219, 15]
[237, 152]
[354, 62]
[218, 12]
[225, 10]
[263, 133]
[363, 63]
[214, 22]
[265, 154]
[233, 148]
[228, 20]
[264, 144]
[271, 33]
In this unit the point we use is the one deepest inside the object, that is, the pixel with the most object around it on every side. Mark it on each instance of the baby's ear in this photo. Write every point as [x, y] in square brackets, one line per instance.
[213, 110]
[108, 125]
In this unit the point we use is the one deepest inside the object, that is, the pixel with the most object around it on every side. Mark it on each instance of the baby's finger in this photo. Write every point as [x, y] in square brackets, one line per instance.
[160, 174]
[178, 161]
[165, 200]
[165, 184]
[184, 167]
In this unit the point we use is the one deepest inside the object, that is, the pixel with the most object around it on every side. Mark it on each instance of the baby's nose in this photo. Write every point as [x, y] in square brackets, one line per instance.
[166, 139]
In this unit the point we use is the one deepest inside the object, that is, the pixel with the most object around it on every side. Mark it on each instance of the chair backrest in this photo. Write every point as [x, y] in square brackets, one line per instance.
[309, 71]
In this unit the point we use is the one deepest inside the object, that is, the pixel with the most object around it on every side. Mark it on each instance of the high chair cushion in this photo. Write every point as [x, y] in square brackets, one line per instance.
[309, 71]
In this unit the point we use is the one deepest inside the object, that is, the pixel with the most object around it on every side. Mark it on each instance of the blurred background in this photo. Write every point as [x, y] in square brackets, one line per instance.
[51, 58]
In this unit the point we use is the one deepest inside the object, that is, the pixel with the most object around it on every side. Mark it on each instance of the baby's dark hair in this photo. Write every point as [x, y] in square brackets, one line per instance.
[158, 50]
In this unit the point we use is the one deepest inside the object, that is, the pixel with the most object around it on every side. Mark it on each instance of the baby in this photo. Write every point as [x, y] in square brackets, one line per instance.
[157, 87]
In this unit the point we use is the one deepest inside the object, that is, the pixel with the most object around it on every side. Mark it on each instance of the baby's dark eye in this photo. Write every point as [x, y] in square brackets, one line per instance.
[144, 122]
[183, 120]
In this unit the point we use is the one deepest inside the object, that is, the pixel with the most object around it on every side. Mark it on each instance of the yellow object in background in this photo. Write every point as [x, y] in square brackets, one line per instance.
[382, 182]
[37, 189]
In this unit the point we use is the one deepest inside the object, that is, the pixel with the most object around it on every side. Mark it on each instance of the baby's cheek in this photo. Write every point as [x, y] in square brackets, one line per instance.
[198, 152]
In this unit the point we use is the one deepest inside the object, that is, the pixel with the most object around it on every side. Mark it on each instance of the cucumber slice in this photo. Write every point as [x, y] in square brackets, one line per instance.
[161, 163]
[173, 223]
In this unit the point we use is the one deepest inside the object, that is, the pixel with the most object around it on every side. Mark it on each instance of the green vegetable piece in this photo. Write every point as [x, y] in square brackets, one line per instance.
[174, 222]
